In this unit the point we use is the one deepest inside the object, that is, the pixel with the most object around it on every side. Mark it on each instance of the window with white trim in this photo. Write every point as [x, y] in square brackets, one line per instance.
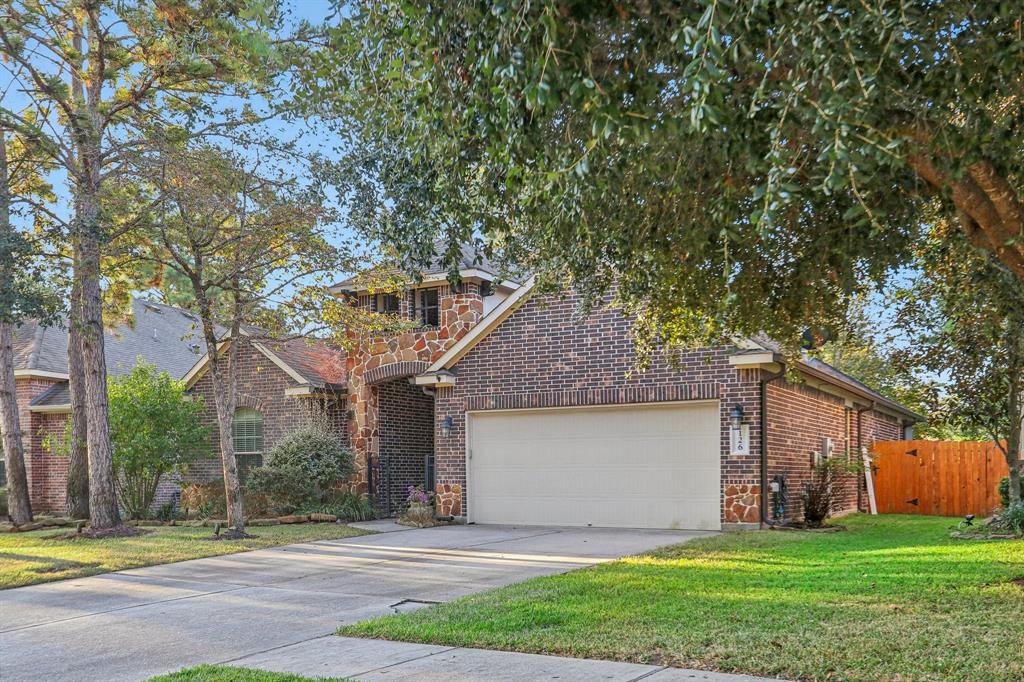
[247, 435]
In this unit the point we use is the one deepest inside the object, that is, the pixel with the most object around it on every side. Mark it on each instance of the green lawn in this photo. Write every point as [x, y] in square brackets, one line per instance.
[223, 673]
[27, 558]
[894, 598]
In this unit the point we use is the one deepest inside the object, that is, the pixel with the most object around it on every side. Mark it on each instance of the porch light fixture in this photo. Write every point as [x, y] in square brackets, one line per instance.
[446, 427]
[736, 416]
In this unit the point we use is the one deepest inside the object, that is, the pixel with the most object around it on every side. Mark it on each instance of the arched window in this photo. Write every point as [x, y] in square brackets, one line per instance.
[247, 433]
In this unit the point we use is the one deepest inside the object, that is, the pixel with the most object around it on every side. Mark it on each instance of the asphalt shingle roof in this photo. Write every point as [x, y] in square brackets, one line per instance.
[469, 258]
[322, 365]
[167, 337]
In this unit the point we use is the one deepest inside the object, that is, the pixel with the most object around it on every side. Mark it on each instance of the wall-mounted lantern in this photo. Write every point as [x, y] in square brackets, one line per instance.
[446, 426]
[736, 416]
[739, 433]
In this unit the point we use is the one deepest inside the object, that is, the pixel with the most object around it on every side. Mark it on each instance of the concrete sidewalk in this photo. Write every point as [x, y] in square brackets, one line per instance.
[372, 659]
[135, 624]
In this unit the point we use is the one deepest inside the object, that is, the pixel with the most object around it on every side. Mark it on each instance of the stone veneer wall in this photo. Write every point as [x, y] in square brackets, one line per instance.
[542, 357]
[378, 360]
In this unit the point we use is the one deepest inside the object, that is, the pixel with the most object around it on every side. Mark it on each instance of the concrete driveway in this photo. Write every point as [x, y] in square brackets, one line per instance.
[135, 624]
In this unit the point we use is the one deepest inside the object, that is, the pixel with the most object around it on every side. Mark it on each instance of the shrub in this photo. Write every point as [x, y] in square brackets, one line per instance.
[205, 499]
[1011, 519]
[1004, 491]
[166, 512]
[818, 495]
[316, 451]
[285, 488]
[155, 429]
[303, 467]
[346, 505]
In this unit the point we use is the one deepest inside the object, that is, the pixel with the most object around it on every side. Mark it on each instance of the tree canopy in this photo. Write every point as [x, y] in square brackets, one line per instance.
[156, 429]
[964, 319]
[732, 166]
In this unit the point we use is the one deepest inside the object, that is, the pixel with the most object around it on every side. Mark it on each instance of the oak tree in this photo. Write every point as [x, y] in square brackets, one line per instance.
[732, 166]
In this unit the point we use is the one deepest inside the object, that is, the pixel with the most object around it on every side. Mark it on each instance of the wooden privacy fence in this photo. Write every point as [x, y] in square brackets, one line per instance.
[942, 478]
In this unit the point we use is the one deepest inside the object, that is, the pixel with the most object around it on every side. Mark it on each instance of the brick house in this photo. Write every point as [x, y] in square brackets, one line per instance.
[162, 335]
[514, 411]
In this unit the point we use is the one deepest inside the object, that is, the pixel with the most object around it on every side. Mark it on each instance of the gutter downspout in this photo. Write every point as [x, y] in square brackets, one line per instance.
[764, 443]
[860, 444]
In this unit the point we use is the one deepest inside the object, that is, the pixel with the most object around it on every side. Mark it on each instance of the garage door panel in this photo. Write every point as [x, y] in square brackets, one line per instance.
[630, 466]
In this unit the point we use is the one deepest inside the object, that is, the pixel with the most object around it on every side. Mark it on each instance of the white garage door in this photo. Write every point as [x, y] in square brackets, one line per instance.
[650, 466]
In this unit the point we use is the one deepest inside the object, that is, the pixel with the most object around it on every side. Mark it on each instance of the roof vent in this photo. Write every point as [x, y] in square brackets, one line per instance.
[152, 307]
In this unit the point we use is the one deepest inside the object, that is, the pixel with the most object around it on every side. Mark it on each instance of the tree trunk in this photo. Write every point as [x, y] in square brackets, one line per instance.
[19, 506]
[103, 509]
[229, 464]
[225, 396]
[1013, 446]
[78, 452]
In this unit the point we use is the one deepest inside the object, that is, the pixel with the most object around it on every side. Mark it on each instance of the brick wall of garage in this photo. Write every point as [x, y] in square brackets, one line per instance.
[543, 356]
[799, 418]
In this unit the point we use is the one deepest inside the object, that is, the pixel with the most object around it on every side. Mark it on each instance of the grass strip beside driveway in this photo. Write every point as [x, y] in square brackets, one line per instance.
[893, 598]
[36, 557]
[223, 673]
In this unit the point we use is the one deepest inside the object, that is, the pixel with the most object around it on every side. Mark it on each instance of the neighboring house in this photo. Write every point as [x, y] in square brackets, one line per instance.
[164, 336]
[280, 384]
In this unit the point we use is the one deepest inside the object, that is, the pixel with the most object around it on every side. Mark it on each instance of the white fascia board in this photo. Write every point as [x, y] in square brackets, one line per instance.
[50, 409]
[483, 327]
[199, 369]
[312, 392]
[435, 380]
[753, 359]
[39, 374]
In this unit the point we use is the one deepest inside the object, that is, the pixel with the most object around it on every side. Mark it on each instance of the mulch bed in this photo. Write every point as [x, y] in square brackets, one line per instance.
[231, 535]
[102, 533]
[810, 529]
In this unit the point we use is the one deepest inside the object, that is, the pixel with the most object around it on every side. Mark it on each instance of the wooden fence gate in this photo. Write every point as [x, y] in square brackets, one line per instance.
[942, 478]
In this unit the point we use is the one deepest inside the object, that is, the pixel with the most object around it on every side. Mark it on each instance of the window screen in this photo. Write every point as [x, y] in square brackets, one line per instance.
[247, 431]
[389, 304]
[429, 311]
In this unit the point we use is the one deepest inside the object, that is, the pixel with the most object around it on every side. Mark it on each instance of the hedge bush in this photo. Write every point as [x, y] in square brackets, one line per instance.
[1004, 491]
[303, 467]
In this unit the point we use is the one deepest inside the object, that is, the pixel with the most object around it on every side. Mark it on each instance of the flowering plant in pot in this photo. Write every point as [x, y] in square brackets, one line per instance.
[419, 507]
